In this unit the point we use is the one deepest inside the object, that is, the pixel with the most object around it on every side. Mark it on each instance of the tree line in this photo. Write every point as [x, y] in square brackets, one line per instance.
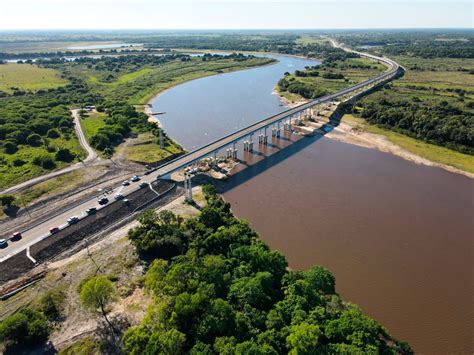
[436, 122]
[218, 289]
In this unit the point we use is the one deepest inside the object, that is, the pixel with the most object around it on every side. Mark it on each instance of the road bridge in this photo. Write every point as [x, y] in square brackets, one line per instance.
[274, 125]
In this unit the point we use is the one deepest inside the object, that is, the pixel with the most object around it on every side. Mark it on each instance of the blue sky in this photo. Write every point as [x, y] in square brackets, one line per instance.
[234, 14]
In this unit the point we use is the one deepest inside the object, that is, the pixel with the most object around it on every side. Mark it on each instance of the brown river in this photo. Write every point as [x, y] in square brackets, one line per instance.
[397, 236]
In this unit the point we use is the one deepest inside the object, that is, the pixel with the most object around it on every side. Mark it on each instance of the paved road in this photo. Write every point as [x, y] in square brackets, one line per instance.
[41, 230]
[91, 156]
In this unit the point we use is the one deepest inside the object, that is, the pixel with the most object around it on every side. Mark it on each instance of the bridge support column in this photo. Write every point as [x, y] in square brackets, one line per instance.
[188, 193]
[234, 150]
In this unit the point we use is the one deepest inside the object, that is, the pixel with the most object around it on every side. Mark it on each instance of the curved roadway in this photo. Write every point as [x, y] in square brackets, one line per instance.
[40, 231]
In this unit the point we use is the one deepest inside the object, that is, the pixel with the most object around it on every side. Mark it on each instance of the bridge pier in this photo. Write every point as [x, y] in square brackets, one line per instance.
[188, 188]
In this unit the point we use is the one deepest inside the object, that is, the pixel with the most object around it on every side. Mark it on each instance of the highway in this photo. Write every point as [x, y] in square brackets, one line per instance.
[41, 230]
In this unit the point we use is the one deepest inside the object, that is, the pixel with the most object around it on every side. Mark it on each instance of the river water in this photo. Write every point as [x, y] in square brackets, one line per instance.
[397, 236]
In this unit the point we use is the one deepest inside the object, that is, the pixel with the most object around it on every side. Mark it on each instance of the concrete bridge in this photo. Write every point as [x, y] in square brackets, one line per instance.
[275, 124]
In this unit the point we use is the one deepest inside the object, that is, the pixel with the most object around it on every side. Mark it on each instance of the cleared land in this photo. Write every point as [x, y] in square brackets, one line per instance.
[145, 149]
[28, 77]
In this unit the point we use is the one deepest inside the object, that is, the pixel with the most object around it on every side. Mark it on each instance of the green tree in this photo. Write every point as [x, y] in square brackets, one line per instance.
[26, 327]
[64, 154]
[303, 339]
[34, 140]
[96, 294]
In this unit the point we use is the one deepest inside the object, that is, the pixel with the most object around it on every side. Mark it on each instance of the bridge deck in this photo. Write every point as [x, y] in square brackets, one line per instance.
[208, 149]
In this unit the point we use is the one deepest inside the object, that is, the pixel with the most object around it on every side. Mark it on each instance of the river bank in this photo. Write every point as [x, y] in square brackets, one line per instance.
[357, 131]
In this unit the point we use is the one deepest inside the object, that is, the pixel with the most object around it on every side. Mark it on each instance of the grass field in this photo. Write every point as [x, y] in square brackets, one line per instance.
[433, 78]
[147, 150]
[93, 123]
[28, 77]
[425, 150]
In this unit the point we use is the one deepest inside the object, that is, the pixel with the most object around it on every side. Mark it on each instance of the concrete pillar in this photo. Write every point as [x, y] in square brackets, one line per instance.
[189, 188]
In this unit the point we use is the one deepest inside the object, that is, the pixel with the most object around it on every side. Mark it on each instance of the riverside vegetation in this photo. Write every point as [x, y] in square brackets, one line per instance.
[433, 102]
[216, 288]
[36, 127]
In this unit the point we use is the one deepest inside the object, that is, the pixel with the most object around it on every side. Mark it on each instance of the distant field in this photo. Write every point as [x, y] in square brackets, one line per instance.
[28, 77]
[26, 47]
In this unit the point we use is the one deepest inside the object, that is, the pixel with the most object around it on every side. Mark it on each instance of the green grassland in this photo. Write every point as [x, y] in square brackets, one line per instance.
[146, 149]
[11, 173]
[425, 150]
[435, 78]
[92, 123]
[28, 77]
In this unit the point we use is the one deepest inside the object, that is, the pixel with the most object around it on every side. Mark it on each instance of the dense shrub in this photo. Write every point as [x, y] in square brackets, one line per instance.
[26, 327]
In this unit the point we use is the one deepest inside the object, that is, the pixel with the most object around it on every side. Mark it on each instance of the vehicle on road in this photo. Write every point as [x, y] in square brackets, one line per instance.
[118, 196]
[16, 236]
[135, 178]
[143, 184]
[103, 200]
[91, 210]
[126, 183]
[3, 243]
[53, 230]
[72, 220]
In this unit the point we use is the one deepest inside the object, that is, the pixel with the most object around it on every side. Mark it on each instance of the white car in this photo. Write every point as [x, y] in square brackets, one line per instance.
[72, 220]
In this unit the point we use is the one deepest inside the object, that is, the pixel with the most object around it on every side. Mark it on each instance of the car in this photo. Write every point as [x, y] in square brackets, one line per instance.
[16, 236]
[91, 210]
[3, 243]
[143, 184]
[126, 183]
[135, 178]
[103, 200]
[53, 230]
[118, 196]
[72, 220]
